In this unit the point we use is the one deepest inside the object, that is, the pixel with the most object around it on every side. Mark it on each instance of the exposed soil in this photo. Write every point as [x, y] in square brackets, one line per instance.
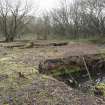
[34, 55]
[36, 88]
[77, 49]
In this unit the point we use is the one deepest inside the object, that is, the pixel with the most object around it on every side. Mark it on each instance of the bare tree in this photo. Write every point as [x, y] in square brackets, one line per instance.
[75, 17]
[13, 18]
[61, 18]
[81, 18]
[47, 25]
[92, 16]
[42, 26]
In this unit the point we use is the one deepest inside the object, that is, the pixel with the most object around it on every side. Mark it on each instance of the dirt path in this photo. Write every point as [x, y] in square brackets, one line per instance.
[77, 49]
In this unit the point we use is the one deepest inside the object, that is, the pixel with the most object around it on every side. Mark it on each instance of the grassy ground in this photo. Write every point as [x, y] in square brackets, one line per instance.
[34, 88]
[31, 88]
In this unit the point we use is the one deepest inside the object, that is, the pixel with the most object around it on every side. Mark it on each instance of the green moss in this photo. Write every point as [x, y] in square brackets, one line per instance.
[101, 87]
[43, 94]
[7, 66]
[65, 71]
[9, 77]
[44, 77]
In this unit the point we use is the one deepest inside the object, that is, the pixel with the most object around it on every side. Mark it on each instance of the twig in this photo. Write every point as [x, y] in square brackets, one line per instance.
[87, 68]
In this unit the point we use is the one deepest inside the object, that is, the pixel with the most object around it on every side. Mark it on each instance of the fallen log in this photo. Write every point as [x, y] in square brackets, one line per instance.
[12, 46]
[59, 44]
[32, 44]
[49, 65]
[28, 45]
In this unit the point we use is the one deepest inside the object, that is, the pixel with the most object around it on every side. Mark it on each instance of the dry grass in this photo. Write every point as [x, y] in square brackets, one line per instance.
[35, 88]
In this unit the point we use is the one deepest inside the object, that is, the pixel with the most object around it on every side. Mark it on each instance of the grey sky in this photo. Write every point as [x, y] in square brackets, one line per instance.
[47, 4]
[42, 5]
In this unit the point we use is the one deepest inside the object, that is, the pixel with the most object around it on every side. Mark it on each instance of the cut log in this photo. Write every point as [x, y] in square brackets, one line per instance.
[31, 44]
[59, 44]
[28, 45]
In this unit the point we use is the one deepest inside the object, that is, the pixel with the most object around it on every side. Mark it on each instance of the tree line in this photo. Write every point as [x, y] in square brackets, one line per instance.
[79, 18]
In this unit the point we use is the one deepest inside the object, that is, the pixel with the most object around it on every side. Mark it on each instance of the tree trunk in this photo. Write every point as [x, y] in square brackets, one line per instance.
[9, 39]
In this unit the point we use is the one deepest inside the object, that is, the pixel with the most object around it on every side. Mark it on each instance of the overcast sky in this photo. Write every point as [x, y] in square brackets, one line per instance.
[47, 4]
[42, 5]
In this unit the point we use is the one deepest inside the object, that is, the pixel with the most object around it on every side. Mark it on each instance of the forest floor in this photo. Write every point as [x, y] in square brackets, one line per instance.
[22, 84]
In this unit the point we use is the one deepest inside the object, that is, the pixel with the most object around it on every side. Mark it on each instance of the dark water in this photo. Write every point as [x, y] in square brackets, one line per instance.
[81, 80]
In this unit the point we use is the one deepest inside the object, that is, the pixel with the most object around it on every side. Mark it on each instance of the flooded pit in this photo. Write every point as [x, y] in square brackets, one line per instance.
[76, 72]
